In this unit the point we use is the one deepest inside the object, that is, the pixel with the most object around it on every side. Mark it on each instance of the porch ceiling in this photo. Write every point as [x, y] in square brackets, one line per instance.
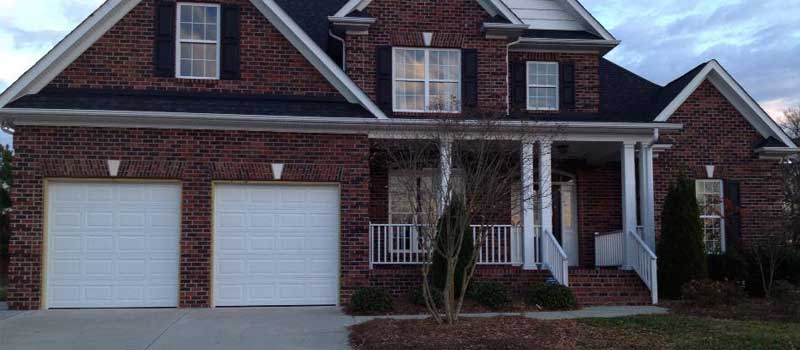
[591, 152]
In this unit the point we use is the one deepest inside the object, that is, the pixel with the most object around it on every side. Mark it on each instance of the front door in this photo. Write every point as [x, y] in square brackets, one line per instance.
[568, 220]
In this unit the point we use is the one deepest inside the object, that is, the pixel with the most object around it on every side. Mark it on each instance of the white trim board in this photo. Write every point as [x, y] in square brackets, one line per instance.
[110, 12]
[735, 94]
[493, 7]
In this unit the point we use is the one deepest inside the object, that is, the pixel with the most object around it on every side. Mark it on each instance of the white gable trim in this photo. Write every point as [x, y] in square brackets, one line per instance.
[595, 25]
[68, 49]
[736, 95]
[94, 27]
[492, 6]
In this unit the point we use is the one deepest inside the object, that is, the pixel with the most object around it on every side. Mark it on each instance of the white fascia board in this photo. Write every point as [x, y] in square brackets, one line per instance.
[491, 6]
[736, 95]
[593, 23]
[68, 49]
[316, 56]
[180, 120]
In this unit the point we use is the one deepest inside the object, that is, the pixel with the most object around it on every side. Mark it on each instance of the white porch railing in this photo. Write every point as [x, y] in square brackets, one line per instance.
[644, 262]
[400, 244]
[554, 258]
[609, 249]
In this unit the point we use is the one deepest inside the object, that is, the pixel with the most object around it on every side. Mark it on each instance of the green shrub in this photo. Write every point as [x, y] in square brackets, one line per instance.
[551, 297]
[2, 294]
[731, 266]
[453, 220]
[681, 251]
[493, 295]
[416, 297]
[371, 301]
[709, 293]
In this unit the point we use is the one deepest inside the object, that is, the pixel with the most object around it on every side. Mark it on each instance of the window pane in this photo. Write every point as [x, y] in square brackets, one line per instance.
[410, 95]
[186, 68]
[712, 232]
[186, 31]
[211, 32]
[198, 70]
[211, 14]
[444, 97]
[186, 51]
[542, 98]
[211, 52]
[198, 14]
[211, 69]
[410, 64]
[445, 65]
[186, 14]
[198, 51]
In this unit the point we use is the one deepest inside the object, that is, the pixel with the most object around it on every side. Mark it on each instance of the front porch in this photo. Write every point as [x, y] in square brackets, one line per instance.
[595, 226]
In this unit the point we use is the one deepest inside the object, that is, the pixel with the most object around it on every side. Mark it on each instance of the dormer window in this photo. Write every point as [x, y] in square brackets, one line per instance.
[543, 86]
[427, 80]
[198, 48]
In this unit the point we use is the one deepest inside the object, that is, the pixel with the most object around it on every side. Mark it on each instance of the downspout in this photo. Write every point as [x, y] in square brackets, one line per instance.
[508, 74]
[344, 49]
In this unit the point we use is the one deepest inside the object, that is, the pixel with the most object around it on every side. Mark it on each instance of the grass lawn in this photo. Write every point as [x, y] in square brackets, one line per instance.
[639, 332]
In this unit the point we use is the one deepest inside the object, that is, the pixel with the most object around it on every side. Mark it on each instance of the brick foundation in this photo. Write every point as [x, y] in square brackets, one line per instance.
[611, 286]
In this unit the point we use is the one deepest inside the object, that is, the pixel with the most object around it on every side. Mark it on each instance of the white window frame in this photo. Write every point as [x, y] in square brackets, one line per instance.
[532, 85]
[720, 217]
[426, 80]
[179, 41]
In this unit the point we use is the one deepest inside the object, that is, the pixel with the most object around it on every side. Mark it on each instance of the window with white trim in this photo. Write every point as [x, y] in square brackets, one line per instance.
[710, 199]
[543, 86]
[198, 34]
[426, 80]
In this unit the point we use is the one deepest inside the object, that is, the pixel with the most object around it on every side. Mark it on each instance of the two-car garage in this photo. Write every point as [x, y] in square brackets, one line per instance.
[117, 244]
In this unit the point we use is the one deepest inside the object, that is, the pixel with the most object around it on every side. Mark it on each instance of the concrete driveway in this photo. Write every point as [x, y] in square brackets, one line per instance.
[196, 329]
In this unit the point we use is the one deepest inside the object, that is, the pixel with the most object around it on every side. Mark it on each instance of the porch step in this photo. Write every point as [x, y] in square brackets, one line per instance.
[607, 286]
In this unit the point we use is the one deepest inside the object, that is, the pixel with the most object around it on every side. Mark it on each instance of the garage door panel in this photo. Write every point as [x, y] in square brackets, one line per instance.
[113, 244]
[287, 240]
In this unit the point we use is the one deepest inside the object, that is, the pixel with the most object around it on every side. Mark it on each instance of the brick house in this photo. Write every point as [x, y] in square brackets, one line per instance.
[221, 152]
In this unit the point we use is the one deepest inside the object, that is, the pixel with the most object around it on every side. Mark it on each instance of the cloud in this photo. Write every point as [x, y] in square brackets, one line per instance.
[756, 41]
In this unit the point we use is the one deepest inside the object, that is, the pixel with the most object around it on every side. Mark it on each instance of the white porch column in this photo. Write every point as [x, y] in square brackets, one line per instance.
[445, 169]
[528, 225]
[545, 186]
[649, 219]
[628, 165]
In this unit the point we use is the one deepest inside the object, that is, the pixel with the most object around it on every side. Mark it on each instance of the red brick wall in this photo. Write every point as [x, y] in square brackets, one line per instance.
[715, 133]
[599, 206]
[196, 158]
[587, 76]
[456, 24]
[123, 59]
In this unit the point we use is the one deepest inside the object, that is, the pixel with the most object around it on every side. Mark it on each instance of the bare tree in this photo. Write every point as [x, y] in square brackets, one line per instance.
[769, 254]
[791, 122]
[485, 156]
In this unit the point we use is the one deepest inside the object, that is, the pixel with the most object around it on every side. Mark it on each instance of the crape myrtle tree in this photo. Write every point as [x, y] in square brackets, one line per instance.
[791, 176]
[472, 172]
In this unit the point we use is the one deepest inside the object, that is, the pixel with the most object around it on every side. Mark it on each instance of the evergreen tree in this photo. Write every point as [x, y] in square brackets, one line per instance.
[455, 219]
[681, 251]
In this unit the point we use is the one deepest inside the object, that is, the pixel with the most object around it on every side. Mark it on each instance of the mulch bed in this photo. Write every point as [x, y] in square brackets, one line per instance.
[746, 310]
[403, 307]
[497, 333]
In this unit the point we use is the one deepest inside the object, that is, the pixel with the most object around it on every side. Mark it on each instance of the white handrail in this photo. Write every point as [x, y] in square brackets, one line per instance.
[401, 244]
[554, 258]
[644, 262]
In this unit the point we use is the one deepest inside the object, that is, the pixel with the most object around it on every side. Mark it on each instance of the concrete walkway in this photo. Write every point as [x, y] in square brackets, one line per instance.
[223, 328]
[196, 329]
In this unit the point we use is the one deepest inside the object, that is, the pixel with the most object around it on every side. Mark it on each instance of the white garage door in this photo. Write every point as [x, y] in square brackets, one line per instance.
[276, 245]
[112, 244]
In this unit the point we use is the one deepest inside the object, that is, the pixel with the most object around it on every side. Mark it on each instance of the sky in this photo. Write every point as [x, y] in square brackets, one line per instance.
[758, 41]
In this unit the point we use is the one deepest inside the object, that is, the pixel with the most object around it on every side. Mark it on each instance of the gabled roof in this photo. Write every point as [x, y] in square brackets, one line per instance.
[494, 7]
[110, 12]
[712, 71]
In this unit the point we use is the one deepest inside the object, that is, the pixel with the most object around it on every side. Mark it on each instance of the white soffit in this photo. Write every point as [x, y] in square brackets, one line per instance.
[736, 95]
[110, 12]
[494, 7]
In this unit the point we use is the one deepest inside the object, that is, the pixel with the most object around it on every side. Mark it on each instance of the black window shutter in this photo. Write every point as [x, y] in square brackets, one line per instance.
[733, 220]
[384, 78]
[164, 60]
[519, 85]
[469, 77]
[230, 60]
[567, 93]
